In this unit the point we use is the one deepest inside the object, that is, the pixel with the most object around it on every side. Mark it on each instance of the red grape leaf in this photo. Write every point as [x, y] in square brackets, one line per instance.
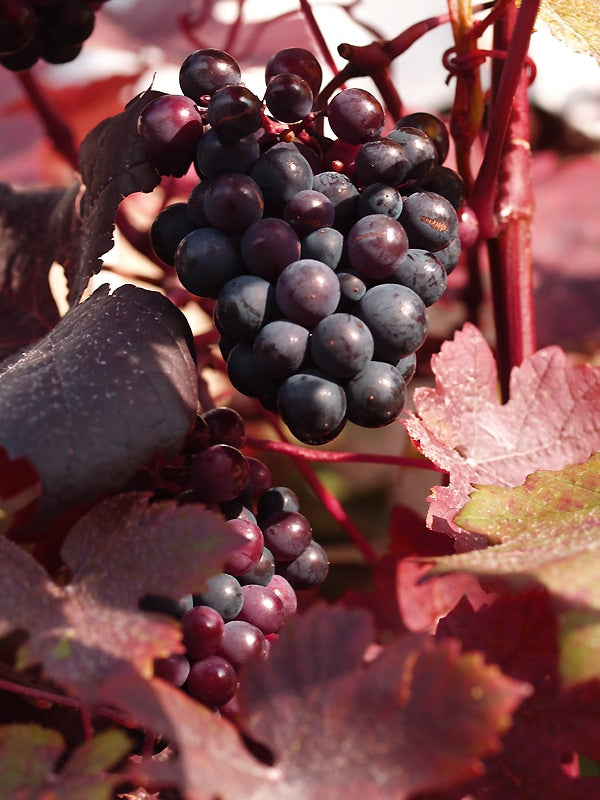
[111, 385]
[29, 754]
[518, 633]
[114, 162]
[417, 717]
[552, 419]
[123, 549]
[36, 228]
[20, 490]
[545, 532]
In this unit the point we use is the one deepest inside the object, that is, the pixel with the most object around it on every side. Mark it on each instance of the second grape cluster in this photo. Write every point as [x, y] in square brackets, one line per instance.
[322, 252]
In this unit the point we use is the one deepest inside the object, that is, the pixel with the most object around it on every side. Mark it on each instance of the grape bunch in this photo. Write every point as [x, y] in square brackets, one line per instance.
[246, 605]
[322, 253]
[53, 30]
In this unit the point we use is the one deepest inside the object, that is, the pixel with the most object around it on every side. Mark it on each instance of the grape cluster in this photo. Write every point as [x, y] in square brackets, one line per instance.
[54, 30]
[322, 254]
[243, 607]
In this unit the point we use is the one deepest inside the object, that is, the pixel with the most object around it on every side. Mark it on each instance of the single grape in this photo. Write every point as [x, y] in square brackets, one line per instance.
[298, 61]
[224, 426]
[307, 290]
[323, 244]
[352, 289]
[376, 395]
[171, 127]
[233, 202]
[246, 555]
[407, 367]
[59, 53]
[242, 642]
[268, 246]
[433, 127]
[214, 157]
[237, 509]
[281, 172]
[312, 406]
[355, 115]
[219, 473]
[234, 112]
[341, 345]
[248, 378]
[262, 608]
[204, 71]
[286, 534]
[169, 227]
[18, 25]
[422, 272]
[374, 244]
[173, 669]
[378, 198]
[420, 151]
[262, 572]
[308, 211]
[223, 593]
[212, 681]
[450, 255]
[284, 590]
[259, 481]
[277, 498]
[381, 161]
[342, 193]
[244, 305]
[446, 182]
[161, 604]
[309, 569]
[396, 316]
[288, 97]
[195, 204]
[206, 259]
[281, 347]
[69, 22]
[202, 629]
[430, 221]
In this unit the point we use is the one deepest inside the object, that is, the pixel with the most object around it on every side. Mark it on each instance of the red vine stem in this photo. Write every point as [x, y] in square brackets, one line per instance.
[338, 457]
[330, 502]
[318, 34]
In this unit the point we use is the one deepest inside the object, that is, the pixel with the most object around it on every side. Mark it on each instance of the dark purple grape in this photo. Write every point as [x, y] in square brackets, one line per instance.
[236, 509]
[234, 112]
[280, 348]
[309, 569]
[202, 629]
[378, 198]
[262, 572]
[195, 204]
[248, 378]
[381, 161]
[225, 426]
[262, 608]
[206, 259]
[281, 172]
[18, 24]
[288, 97]
[197, 438]
[161, 604]
[284, 590]
[25, 58]
[269, 246]
[244, 305]
[204, 71]
[342, 193]
[277, 498]
[307, 290]
[422, 272]
[242, 642]
[260, 479]
[223, 593]
[286, 534]
[433, 127]
[298, 61]
[212, 681]
[233, 202]
[324, 244]
[341, 345]
[312, 406]
[246, 555]
[407, 367]
[375, 244]
[169, 227]
[173, 669]
[69, 22]
[396, 316]
[419, 149]
[214, 157]
[430, 221]
[355, 115]
[219, 473]
[446, 182]
[59, 53]
[309, 210]
[450, 256]
[376, 395]
[171, 127]
[352, 289]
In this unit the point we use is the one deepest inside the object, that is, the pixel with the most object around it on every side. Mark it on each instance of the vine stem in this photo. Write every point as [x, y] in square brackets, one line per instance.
[330, 502]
